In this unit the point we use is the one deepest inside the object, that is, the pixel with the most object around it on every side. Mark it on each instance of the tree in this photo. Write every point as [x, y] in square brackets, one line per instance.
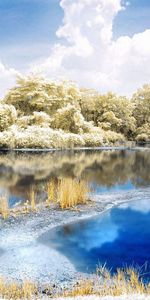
[33, 93]
[69, 119]
[8, 116]
[108, 111]
[141, 102]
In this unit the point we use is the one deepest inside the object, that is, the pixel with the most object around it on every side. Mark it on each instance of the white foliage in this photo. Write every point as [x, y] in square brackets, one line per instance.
[8, 116]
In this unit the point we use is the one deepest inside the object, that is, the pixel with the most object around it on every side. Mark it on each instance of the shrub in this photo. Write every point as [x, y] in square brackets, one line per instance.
[143, 133]
[38, 137]
[93, 140]
[143, 137]
[7, 139]
[74, 140]
[113, 137]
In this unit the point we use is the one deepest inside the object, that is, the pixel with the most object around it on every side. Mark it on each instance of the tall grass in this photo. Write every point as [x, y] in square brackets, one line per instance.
[83, 288]
[4, 207]
[15, 291]
[51, 192]
[67, 193]
[32, 198]
[124, 282]
[71, 193]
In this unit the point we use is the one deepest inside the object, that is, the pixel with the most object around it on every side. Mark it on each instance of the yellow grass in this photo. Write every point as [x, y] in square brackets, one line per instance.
[67, 192]
[83, 288]
[51, 192]
[15, 291]
[32, 198]
[4, 208]
[125, 282]
[71, 193]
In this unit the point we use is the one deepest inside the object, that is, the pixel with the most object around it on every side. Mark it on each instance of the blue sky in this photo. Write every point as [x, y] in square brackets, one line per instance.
[27, 20]
[134, 19]
[25, 23]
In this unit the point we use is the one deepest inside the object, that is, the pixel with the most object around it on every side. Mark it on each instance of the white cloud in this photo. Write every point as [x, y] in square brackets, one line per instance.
[142, 206]
[90, 55]
[7, 78]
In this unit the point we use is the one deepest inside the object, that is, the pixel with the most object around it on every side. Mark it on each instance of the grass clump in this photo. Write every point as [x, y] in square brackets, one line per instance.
[15, 291]
[71, 193]
[67, 192]
[83, 288]
[124, 282]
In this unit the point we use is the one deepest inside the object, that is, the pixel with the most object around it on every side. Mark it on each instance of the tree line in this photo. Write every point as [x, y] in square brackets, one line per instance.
[36, 110]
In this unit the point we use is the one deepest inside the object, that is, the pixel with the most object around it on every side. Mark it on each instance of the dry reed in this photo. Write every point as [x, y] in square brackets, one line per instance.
[32, 198]
[15, 291]
[71, 193]
[67, 192]
[4, 207]
[124, 282]
[51, 192]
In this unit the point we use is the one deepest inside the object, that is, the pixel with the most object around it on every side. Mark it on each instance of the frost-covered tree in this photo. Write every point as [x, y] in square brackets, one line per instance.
[70, 119]
[141, 112]
[33, 93]
[108, 111]
[40, 119]
[8, 116]
[39, 113]
[141, 101]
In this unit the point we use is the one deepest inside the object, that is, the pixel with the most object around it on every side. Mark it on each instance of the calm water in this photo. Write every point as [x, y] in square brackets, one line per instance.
[118, 238]
[106, 171]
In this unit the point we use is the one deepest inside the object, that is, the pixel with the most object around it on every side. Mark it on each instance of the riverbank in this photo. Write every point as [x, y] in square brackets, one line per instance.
[123, 146]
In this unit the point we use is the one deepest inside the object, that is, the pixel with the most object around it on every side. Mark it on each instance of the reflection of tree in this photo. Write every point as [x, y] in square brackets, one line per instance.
[18, 171]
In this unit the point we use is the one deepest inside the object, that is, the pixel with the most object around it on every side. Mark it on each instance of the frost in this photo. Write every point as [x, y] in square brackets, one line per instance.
[37, 113]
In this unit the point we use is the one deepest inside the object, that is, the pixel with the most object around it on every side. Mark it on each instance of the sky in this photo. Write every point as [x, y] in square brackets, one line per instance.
[101, 44]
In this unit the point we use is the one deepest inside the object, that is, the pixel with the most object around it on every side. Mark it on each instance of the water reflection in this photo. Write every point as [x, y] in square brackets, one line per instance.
[105, 170]
[119, 238]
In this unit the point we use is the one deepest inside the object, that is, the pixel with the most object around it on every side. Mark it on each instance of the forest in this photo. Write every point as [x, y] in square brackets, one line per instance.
[37, 113]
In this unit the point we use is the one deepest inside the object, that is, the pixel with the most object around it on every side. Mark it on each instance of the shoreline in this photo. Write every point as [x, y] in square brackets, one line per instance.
[45, 150]
[21, 251]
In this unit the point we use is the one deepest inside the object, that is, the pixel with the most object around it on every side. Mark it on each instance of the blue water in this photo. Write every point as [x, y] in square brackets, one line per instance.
[107, 171]
[118, 238]
[128, 185]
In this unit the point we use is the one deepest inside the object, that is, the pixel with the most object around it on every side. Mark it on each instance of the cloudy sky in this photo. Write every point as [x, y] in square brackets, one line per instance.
[102, 44]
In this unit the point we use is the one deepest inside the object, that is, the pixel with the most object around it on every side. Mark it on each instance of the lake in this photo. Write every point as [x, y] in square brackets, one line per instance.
[105, 171]
[117, 238]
